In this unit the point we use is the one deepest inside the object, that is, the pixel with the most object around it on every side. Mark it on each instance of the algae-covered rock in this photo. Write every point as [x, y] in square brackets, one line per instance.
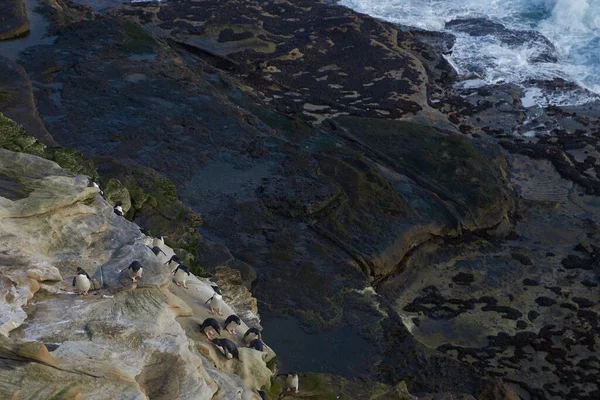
[331, 387]
[14, 137]
[114, 192]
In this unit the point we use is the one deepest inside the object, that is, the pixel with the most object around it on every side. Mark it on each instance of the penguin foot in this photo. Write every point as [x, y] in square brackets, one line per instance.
[288, 389]
[134, 281]
[231, 332]
[220, 312]
[212, 311]
[178, 284]
[185, 287]
[297, 390]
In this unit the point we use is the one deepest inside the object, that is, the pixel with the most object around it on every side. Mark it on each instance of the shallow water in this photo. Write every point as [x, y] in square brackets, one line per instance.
[39, 28]
[340, 351]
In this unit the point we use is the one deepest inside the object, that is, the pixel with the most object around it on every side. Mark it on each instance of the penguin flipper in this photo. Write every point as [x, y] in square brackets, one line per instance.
[86, 274]
[206, 302]
[74, 278]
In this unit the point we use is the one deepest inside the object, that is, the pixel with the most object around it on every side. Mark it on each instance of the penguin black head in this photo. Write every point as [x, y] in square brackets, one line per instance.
[159, 236]
[119, 203]
[262, 395]
[145, 232]
[135, 266]
[253, 330]
[80, 271]
[217, 289]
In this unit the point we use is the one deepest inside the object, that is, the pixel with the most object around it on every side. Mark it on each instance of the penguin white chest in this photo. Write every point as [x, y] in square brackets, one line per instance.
[136, 274]
[225, 353]
[82, 283]
[158, 242]
[180, 276]
[250, 337]
[292, 381]
[216, 301]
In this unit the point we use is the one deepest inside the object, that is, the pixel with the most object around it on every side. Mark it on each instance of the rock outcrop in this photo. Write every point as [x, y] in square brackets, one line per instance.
[13, 19]
[123, 339]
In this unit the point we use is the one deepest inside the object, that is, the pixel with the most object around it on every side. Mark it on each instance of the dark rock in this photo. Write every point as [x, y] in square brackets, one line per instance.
[521, 258]
[510, 37]
[463, 278]
[570, 306]
[583, 302]
[589, 283]
[575, 262]
[530, 282]
[545, 301]
[13, 19]
[521, 324]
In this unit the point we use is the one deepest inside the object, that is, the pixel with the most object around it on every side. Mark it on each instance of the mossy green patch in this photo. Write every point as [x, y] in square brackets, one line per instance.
[448, 163]
[192, 248]
[274, 391]
[75, 162]
[271, 363]
[114, 191]
[4, 96]
[13, 137]
[140, 41]
[294, 128]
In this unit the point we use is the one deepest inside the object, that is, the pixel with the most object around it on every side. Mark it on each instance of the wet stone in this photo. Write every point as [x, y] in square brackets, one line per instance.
[545, 301]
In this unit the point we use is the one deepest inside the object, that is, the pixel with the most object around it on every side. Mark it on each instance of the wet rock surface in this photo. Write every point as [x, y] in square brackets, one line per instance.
[13, 20]
[462, 244]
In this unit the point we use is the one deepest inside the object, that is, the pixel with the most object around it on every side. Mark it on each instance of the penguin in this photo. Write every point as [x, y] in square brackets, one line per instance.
[217, 289]
[257, 344]
[216, 301]
[174, 261]
[262, 395]
[119, 209]
[82, 281]
[252, 334]
[135, 271]
[291, 381]
[209, 326]
[230, 320]
[180, 275]
[227, 347]
[156, 250]
[92, 183]
[159, 241]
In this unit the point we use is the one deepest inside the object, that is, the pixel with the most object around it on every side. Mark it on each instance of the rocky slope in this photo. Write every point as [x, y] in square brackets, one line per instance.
[122, 340]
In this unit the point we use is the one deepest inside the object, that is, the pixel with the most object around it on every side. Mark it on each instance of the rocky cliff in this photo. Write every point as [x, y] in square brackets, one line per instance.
[123, 340]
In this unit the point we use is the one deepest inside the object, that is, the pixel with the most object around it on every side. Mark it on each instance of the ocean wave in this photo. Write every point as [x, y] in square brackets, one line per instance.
[513, 41]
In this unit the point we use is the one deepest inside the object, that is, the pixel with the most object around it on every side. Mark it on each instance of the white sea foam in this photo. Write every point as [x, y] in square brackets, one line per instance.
[572, 26]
